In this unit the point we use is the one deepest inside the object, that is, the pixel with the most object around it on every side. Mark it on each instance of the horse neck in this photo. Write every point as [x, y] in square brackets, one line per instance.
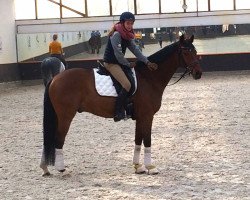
[165, 71]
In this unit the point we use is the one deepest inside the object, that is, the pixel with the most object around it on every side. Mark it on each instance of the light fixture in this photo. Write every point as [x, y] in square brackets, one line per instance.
[184, 6]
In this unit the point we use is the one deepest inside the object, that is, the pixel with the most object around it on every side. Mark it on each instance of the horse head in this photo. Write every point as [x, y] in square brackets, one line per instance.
[188, 56]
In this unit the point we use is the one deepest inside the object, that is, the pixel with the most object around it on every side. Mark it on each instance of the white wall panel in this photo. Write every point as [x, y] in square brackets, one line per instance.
[7, 32]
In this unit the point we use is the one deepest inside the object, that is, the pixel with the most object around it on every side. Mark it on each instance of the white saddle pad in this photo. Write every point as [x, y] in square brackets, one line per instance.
[104, 84]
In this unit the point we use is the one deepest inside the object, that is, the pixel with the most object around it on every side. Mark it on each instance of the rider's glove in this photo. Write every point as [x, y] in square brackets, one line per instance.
[152, 66]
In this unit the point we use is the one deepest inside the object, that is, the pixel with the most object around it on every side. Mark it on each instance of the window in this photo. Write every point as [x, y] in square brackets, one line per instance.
[77, 5]
[192, 5]
[144, 7]
[120, 6]
[202, 5]
[25, 11]
[221, 5]
[242, 4]
[47, 9]
[98, 7]
[170, 6]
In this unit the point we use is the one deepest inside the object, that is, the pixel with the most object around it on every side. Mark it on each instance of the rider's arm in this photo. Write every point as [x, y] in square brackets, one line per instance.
[137, 52]
[116, 44]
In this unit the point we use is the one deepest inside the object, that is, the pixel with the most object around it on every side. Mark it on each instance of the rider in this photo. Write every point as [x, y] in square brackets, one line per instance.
[122, 37]
[56, 50]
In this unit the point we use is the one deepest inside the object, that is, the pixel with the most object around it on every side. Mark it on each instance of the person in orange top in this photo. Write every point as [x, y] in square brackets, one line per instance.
[55, 49]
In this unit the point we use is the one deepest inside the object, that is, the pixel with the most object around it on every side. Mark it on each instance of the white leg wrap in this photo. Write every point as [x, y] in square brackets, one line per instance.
[148, 161]
[137, 152]
[42, 163]
[139, 168]
[59, 161]
[147, 156]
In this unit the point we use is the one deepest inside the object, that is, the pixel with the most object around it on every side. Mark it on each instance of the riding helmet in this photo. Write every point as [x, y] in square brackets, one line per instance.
[127, 16]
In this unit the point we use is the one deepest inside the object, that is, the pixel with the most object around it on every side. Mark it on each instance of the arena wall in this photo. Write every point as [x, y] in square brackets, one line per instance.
[8, 58]
[212, 62]
[11, 69]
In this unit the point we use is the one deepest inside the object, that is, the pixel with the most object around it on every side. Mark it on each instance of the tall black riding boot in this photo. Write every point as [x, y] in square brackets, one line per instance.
[119, 105]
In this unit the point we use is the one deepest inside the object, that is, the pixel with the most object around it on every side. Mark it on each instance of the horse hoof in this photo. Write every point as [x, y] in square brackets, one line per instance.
[139, 169]
[46, 174]
[152, 170]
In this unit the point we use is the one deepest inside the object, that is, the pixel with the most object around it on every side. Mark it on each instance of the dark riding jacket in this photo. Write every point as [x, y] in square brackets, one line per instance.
[116, 49]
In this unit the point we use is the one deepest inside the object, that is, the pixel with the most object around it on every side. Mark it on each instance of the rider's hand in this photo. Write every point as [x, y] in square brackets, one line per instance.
[152, 66]
[132, 64]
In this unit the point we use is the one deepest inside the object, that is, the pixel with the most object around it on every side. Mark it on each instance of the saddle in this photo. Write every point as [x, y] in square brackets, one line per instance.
[107, 85]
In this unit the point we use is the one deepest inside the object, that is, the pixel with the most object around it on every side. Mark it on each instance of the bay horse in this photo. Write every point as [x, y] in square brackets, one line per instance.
[74, 91]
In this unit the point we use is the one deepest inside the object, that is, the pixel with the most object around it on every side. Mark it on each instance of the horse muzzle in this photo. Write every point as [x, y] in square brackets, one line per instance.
[197, 75]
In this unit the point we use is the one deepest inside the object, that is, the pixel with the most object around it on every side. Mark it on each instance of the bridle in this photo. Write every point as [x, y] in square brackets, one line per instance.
[183, 64]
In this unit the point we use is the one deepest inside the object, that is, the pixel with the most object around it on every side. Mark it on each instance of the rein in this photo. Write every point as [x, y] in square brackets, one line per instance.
[188, 69]
[182, 76]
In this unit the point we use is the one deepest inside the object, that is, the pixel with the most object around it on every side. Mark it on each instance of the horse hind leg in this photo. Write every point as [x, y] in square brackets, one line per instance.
[43, 166]
[62, 130]
[59, 162]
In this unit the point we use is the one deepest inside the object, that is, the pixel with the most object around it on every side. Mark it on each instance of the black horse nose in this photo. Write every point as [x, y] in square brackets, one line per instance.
[197, 75]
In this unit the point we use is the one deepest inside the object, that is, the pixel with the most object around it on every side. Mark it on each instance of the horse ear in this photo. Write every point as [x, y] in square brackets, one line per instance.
[182, 38]
[192, 38]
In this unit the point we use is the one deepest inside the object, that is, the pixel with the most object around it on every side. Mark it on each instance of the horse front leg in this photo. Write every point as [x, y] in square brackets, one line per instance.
[139, 168]
[143, 133]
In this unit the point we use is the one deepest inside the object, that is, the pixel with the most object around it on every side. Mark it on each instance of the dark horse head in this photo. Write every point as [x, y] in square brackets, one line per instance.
[179, 54]
[188, 56]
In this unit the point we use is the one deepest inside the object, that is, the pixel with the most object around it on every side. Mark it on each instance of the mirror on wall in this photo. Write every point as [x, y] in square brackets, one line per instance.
[214, 39]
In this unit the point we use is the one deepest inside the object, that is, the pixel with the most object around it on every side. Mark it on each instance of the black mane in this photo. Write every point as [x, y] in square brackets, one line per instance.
[160, 55]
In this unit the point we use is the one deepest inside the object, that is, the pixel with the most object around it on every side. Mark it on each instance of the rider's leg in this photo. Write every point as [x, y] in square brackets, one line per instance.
[120, 76]
[119, 105]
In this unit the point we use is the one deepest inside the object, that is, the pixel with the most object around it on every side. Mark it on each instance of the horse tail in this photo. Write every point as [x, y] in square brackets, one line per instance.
[49, 129]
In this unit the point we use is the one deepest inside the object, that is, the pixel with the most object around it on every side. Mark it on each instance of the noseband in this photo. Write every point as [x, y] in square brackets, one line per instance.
[188, 67]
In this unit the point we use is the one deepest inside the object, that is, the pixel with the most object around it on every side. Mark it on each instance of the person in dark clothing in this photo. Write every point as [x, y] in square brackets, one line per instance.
[95, 42]
[56, 50]
[171, 35]
[122, 37]
[160, 41]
